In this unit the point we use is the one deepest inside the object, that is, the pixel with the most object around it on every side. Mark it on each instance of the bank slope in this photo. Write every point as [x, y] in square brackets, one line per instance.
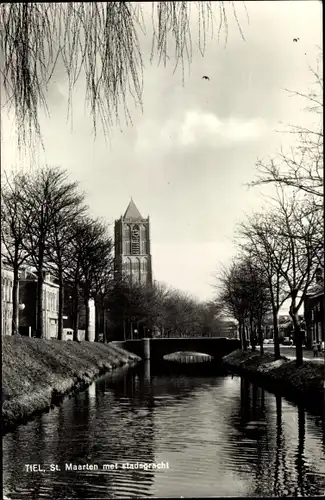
[303, 384]
[37, 373]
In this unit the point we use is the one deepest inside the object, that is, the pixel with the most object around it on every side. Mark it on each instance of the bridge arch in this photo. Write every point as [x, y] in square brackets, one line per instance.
[157, 348]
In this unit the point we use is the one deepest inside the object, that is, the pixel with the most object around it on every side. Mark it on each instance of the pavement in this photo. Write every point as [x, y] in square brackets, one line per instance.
[290, 353]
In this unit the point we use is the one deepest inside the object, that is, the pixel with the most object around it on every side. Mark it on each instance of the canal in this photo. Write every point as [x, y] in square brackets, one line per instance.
[142, 434]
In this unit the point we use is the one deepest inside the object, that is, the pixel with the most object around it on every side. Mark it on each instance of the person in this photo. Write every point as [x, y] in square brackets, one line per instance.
[315, 349]
[319, 347]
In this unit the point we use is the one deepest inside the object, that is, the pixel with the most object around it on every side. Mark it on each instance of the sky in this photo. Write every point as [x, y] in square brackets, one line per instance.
[187, 156]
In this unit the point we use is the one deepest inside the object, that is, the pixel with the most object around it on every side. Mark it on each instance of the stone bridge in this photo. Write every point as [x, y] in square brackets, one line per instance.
[157, 348]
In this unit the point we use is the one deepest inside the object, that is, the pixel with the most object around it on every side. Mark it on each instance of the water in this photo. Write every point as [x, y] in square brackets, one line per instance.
[215, 436]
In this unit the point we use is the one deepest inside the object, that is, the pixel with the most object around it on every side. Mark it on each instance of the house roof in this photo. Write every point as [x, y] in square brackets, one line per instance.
[132, 212]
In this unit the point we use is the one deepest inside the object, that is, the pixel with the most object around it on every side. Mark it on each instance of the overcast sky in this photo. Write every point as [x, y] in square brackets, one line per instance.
[186, 157]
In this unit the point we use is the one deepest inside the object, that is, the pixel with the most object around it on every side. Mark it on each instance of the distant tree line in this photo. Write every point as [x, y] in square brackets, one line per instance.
[162, 310]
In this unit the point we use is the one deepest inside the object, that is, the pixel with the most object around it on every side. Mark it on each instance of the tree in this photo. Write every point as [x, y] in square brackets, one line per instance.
[103, 278]
[47, 195]
[244, 293]
[210, 323]
[16, 221]
[130, 305]
[301, 168]
[91, 249]
[98, 40]
[232, 296]
[258, 239]
[59, 244]
[300, 229]
[96, 265]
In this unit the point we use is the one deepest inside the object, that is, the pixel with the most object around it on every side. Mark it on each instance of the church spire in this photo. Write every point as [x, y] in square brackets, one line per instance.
[132, 212]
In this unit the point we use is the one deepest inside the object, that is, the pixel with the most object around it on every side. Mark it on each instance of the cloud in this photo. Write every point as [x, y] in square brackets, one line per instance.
[199, 128]
[207, 128]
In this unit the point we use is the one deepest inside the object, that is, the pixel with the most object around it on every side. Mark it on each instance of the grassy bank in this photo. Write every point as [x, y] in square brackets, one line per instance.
[302, 385]
[39, 373]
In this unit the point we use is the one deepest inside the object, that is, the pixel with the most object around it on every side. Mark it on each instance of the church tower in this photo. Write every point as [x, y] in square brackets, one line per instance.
[132, 247]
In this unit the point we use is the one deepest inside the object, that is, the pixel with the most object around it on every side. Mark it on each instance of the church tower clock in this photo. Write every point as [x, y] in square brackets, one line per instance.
[132, 247]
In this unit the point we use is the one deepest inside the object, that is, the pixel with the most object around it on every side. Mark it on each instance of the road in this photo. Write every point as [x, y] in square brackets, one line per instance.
[289, 352]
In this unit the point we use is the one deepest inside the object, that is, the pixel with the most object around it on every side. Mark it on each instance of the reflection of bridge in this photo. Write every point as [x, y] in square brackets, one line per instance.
[157, 348]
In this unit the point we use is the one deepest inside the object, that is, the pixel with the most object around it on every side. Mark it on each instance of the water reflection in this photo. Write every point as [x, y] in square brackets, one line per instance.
[220, 435]
[268, 424]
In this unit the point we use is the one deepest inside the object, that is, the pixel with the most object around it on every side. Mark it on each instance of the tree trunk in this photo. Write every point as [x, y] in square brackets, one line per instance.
[75, 312]
[276, 333]
[15, 303]
[252, 334]
[243, 344]
[86, 304]
[260, 337]
[297, 330]
[98, 311]
[40, 308]
[60, 311]
[298, 338]
[245, 328]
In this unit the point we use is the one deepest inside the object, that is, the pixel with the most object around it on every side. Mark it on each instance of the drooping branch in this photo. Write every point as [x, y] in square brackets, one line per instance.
[99, 41]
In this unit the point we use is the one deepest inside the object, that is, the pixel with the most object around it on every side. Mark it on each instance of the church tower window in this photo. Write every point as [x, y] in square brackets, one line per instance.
[135, 240]
[126, 239]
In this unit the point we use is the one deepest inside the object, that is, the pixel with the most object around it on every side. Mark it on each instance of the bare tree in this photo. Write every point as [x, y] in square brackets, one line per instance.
[301, 229]
[301, 168]
[16, 221]
[90, 251]
[98, 40]
[96, 264]
[47, 195]
[129, 305]
[256, 284]
[209, 321]
[244, 293]
[103, 278]
[173, 312]
[59, 243]
[180, 313]
[258, 239]
[232, 296]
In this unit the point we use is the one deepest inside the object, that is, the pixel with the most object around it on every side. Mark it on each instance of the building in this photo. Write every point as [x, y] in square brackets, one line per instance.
[28, 297]
[132, 247]
[230, 329]
[7, 279]
[314, 311]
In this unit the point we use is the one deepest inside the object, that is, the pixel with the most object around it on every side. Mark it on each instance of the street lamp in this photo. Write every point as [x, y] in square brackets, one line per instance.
[21, 307]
